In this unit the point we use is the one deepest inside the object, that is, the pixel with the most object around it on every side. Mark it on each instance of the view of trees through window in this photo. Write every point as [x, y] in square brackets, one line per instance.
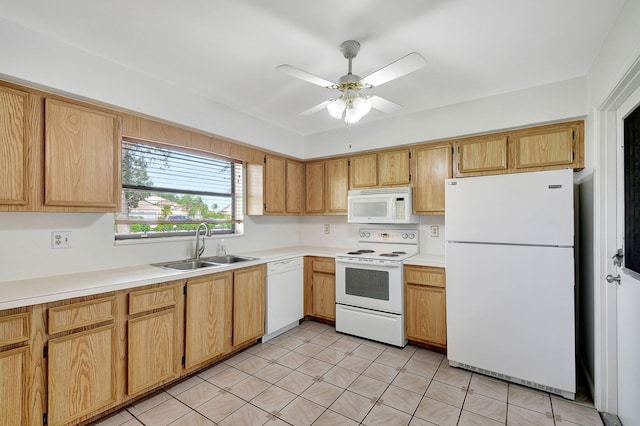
[168, 192]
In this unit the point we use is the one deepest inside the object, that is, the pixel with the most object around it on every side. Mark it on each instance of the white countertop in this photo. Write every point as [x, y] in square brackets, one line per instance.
[35, 291]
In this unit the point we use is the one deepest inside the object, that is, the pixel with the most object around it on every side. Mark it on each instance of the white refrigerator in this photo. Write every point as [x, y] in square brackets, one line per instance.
[510, 278]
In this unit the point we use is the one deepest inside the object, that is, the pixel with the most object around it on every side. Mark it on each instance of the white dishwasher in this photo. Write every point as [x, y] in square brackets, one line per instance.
[284, 296]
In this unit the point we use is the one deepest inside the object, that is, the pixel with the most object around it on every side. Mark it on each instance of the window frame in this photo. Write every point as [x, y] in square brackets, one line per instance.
[237, 200]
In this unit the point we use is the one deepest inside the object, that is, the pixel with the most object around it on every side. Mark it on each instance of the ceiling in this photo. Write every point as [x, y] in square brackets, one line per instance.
[227, 51]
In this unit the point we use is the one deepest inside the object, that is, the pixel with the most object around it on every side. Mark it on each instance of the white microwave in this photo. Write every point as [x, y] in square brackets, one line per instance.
[381, 205]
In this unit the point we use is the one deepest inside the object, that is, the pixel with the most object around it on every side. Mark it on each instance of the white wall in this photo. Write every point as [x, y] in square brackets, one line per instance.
[30, 58]
[559, 101]
[25, 251]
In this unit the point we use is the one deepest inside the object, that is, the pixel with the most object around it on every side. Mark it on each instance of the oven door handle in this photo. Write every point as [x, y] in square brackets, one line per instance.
[367, 264]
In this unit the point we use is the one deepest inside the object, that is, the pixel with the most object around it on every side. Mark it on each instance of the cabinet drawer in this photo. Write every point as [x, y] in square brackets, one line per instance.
[154, 298]
[424, 275]
[328, 266]
[14, 329]
[69, 317]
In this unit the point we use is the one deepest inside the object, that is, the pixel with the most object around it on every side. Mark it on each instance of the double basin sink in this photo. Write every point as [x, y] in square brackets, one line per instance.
[204, 262]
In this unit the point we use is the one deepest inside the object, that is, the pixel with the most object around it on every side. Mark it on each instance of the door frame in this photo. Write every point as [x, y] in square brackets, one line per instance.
[605, 233]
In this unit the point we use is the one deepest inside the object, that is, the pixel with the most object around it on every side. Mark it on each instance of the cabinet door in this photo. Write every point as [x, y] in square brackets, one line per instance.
[337, 185]
[323, 288]
[425, 315]
[14, 176]
[432, 165]
[482, 155]
[544, 147]
[393, 167]
[14, 409]
[364, 171]
[151, 350]
[274, 184]
[82, 156]
[314, 184]
[248, 304]
[81, 374]
[295, 186]
[208, 318]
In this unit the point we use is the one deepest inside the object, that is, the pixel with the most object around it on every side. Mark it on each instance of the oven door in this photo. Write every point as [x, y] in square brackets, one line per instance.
[370, 286]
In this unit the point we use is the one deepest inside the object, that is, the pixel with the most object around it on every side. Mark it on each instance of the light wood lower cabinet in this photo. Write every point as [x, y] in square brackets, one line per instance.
[208, 318]
[14, 369]
[153, 338]
[425, 305]
[320, 287]
[248, 304]
[81, 374]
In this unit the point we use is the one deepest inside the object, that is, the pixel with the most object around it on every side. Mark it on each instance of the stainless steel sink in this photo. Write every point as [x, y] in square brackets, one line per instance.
[188, 265]
[204, 262]
[227, 259]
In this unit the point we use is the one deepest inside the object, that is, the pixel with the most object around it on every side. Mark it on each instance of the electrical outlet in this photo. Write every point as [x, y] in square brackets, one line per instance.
[61, 239]
[327, 228]
[434, 230]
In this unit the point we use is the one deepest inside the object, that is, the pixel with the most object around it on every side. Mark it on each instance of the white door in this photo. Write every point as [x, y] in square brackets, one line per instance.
[628, 238]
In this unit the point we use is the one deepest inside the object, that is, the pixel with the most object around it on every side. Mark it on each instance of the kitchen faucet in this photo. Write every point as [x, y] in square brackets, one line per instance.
[200, 250]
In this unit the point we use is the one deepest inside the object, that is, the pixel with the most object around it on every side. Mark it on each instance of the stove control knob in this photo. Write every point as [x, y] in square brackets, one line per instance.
[362, 235]
[412, 236]
[405, 236]
[367, 234]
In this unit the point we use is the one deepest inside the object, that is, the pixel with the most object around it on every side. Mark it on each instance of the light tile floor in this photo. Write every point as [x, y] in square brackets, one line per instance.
[313, 375]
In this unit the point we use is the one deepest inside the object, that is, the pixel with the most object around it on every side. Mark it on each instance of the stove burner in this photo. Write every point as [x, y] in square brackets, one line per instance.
[365, 251]
[354, 252]
[394, 254]
[399, 252]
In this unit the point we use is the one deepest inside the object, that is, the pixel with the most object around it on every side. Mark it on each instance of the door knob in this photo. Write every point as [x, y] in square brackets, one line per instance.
[611, 279]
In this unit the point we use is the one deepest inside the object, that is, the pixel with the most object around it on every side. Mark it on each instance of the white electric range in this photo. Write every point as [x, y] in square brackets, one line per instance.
[370, 284]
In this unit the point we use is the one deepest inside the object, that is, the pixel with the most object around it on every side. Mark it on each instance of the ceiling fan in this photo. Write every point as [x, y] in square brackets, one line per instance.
[351, 105]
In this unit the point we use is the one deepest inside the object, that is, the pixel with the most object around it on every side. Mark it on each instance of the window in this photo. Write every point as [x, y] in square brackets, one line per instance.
[168, 191]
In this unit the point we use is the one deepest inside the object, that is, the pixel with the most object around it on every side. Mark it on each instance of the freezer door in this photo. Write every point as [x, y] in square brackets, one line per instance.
[520, 208]
[510, 310]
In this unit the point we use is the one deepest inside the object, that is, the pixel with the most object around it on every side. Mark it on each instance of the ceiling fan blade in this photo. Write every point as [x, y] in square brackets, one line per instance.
[303, 75]
[313, 110]
[384, 105]
[403, 66]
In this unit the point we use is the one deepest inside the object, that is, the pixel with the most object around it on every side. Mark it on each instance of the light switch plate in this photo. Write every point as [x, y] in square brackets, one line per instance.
[434, 230]
[61, 239]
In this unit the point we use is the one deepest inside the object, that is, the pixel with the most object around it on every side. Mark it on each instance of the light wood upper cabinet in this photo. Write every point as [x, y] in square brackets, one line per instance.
[425, 305]
[274, 184]
[208, 318]
[248, 304]
[482, 155]
[14, 146]
[431, 166]
[364, 171]
[337, 185]
[82, 156]
[314, 187]
[393, 167]
[295, 187]
[553, 146]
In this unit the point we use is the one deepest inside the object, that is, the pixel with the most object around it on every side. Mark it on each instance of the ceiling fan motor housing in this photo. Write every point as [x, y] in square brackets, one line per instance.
[350, 48]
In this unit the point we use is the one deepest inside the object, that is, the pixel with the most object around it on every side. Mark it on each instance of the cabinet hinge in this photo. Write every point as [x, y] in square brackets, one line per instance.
[184, 360]
[348, 163]
[184, 290]
[409, 177]
[45, 352]
[573, 156]
[453, 150]
[264, 206]
[264, 159]
[44, 419]
[409, 155]
[573, 135]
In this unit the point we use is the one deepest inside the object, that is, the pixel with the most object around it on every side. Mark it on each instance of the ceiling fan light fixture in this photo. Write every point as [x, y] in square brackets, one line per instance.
[336, 108]
[362, 105]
